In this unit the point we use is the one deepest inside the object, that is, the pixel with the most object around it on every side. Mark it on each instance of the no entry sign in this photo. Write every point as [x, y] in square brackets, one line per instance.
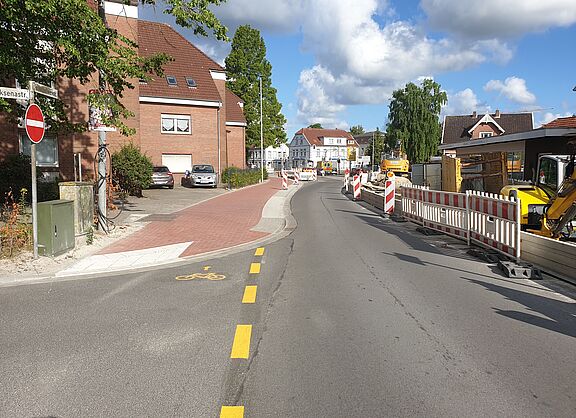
[34, 122]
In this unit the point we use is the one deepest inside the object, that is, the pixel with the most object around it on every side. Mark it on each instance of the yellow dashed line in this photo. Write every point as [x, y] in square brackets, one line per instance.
[241, 345]
[254, 268]
[249, 294]
[232, 412]
[259, 251]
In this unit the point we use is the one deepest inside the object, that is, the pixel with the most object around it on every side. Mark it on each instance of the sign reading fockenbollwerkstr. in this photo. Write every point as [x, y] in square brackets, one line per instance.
[12, 93]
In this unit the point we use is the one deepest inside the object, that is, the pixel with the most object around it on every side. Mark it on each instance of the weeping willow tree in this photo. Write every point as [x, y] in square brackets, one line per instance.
[413, 120]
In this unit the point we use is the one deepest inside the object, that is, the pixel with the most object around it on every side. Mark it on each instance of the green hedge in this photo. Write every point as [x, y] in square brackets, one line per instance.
[236, 177]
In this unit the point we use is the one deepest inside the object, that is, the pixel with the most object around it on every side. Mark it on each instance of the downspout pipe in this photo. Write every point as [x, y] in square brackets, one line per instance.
[219, 132]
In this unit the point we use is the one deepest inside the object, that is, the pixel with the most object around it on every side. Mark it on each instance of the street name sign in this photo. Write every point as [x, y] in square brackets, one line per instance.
[12, 93]
[34, 122]
[44, 90]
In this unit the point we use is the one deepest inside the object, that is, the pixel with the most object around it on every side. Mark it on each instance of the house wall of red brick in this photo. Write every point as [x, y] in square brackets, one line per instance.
[202, 143]
[485, 127]
[236, 147]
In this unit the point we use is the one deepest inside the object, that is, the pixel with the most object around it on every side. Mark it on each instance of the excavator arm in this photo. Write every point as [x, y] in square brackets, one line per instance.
[562, 207]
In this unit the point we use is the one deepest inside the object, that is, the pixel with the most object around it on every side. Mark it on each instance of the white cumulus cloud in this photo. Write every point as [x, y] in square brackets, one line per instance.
[463, 103]
[498, 18]
[513, 88]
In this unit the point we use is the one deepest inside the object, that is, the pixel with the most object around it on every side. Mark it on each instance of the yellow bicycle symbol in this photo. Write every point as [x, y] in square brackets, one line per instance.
[206, 276]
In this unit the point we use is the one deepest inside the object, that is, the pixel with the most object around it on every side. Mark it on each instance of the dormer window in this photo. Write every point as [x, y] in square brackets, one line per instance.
[485, 134]
[171, 80]
[190, 82]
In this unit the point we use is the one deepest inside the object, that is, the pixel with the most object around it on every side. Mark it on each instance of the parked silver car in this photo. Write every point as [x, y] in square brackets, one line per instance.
[203, 175]
[161, 176]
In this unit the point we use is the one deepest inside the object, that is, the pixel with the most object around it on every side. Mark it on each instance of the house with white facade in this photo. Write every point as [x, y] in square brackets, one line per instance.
[311, 145]
[275, 158]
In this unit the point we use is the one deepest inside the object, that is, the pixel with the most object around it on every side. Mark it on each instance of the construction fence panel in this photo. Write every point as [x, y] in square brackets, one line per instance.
[489, 220]
[494, 222]
[413, 203]
[445, 212]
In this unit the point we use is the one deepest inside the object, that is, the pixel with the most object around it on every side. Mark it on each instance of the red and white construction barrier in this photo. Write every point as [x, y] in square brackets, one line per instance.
[356, 185]
[390, 195]
[296, 177]
[284, 180]
[486, 219]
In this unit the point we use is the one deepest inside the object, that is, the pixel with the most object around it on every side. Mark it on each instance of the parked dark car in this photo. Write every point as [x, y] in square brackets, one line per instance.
[203, 175]
[161, 176]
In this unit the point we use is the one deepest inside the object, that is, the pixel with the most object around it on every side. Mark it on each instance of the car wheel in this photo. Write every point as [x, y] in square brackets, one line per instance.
[171, 187]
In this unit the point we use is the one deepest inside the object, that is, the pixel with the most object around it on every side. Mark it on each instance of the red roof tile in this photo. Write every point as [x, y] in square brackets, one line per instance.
[315, 135]
[189, 61]
[234, 112]
[456, 127]
[569, 122]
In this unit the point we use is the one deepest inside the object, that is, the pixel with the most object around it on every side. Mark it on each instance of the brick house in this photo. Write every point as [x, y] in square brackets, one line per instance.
[466, 128]
[184, 118]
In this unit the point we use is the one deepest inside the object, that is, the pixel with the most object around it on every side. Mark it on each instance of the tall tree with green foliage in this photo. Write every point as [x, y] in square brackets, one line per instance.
[357, 130]
[244, 65]
[414, 119]
[316, 126]
[44, 40]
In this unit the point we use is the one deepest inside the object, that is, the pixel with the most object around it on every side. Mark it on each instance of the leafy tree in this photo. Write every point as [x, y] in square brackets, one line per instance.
[47, 39]
[379, 146]
[357, 130]
[132, 169]
[244, 65]
[316, 126]
[413, 119]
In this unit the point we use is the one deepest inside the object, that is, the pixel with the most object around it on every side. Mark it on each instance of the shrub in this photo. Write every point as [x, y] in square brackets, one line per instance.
[236, 177]
[132, 169]
[15, 231]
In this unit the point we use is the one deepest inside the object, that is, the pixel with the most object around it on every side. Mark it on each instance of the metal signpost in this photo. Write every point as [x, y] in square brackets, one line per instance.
[35, 128]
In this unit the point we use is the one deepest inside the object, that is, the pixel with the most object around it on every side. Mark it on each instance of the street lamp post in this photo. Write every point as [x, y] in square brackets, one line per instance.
[261, 135]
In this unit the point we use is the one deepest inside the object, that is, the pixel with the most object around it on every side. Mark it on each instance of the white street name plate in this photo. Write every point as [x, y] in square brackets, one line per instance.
[10, 93]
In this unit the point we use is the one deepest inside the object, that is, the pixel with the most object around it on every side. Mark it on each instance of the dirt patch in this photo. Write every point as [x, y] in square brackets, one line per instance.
[24, 265]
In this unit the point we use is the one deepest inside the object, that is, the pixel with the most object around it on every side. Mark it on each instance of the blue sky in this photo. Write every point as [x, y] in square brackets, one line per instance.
[337, 61]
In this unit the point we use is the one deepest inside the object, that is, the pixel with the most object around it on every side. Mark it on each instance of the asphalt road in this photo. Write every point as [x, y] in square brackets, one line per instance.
[355, 316]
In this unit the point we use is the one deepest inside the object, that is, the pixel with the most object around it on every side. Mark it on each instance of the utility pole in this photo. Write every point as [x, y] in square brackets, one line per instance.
[373, 147]
[101, 177]
[261, 135]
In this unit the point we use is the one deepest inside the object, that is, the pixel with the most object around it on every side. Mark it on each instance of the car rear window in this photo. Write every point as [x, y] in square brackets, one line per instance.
[161, 169]
[202, 169]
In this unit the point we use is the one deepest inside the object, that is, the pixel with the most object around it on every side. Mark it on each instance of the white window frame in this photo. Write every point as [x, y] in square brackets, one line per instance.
[175, 119]
[486, 135]
[24, 137]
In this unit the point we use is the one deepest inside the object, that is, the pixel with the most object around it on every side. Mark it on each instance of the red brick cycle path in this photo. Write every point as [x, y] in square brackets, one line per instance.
[218, 223]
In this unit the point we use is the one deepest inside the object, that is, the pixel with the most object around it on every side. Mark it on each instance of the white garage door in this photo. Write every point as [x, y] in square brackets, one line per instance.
[177, 163]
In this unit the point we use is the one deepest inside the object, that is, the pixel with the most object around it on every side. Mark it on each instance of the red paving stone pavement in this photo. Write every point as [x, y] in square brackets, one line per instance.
[221, 222]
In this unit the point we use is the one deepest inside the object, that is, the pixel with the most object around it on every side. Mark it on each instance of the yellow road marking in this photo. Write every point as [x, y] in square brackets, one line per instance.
[207, 276]
[259, 251]
[249, 294]
[206, 268]
[254, 268]
[241, 345]
[232, 412]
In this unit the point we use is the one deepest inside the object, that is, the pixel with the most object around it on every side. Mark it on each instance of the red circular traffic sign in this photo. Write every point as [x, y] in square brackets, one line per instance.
[34, 122]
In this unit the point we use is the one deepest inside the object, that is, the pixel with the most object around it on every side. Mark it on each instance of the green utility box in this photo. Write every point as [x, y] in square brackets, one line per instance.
[55, 227]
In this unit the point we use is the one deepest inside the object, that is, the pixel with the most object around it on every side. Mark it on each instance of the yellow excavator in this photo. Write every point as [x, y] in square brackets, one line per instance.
[397, 165]
[549, 205]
